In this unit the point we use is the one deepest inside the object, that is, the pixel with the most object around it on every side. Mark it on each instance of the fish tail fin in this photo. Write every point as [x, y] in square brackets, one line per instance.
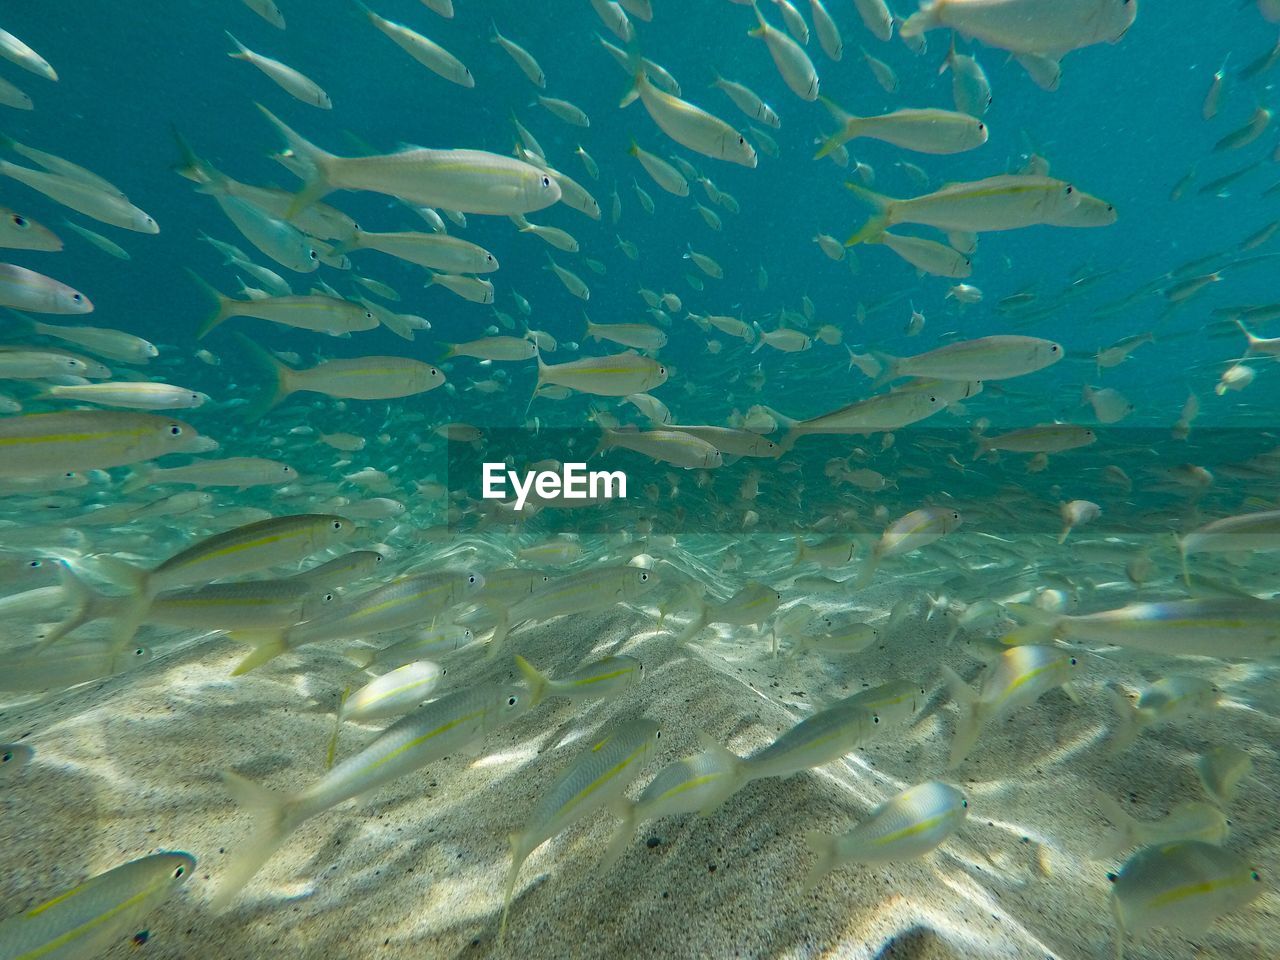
[1126, 728]
[221, 309]
[362, 657]
[836, 140]
[85, 602]
[847, 131]
[889, 367]
[272, 826]
[1121, 837]
[315, 167]
[877, 223]
[279, 379]
[241, 50]
[1182, 558]
[518, 856]
[1249, 336]
[635, 67]
[623, 833]
[734, 782]
[759, 335]
[1031, 615]
[868, 571]
[337, 729]
[926, 18]
[542, 378]
[968, 723]
[823, 847]
[190, 166]
[949, 60]
[267, 645]
[981, 447]
[133, 608]
[605, 442]
[695, 625]
[534, 679]
[500, 630]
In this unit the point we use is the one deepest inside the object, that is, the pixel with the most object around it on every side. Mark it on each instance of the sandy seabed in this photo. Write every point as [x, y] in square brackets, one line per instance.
[416, 869]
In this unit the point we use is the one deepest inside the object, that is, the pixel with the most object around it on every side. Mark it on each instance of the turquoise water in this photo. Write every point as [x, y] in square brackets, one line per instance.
[121, 732]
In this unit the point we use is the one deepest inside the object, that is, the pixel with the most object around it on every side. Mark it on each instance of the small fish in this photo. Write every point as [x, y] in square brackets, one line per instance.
[289, 80]
[1021, 676]
[594, 779]
[603, 678]
[1179, 886]
[90, 919]
[455, 722]
[905, 827]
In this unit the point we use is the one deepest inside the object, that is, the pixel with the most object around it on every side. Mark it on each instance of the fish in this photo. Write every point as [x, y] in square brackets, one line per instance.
[594, 779]
[426, 51]
[1005, 202]
[25, 289]
[472, 181]
[20, 232]
[291, 81]
[1181, 886]
[98, 914]
[602, 678]
[455, 722]
[905, 827]
[690, 125]
[924, 131]
[51, 443]
[1021, 676]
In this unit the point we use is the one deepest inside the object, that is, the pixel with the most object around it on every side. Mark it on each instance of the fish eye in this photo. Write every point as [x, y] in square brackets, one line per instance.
[875, 718]
[286, 469]
[1054, 348]
[471, 579]
[337, 524]
[1111, 877]
[965, 804]
[368, 315]
[1074, 661]
[644, 577]
[1070, 190]
[546, 181]
[141, 937]
[18, 220]
[35, 564]
[76, 298]
[657, 735]
[175, 430]
[742, 141]
[511, 701]
[178, 873]
[1255, 875]
[435, 372]
[140, 651]
[662, 371]
[981, 125]
[312, 255]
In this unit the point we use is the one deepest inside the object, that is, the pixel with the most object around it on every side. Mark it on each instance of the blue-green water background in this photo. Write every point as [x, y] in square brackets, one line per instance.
[1125, 126]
